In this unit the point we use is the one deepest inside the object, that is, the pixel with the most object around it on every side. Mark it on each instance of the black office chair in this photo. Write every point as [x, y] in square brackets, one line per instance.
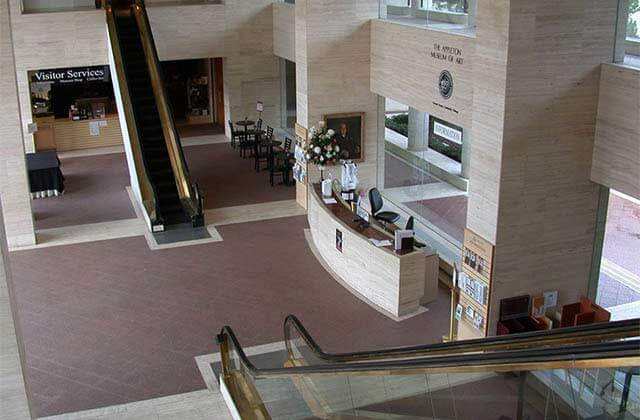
[409, 225]
[375, 199]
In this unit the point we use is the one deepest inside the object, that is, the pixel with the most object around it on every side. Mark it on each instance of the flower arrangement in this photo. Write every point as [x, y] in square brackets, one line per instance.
[322, 148]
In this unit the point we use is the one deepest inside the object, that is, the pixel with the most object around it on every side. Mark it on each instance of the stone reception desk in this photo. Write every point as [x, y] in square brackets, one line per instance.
[391, 281]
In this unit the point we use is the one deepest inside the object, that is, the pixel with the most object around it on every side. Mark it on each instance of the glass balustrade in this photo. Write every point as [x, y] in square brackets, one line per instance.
[585, 380]
[447, 15]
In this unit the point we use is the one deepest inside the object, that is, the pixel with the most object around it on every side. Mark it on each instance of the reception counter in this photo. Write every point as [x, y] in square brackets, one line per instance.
[391, 281]
[63, 134]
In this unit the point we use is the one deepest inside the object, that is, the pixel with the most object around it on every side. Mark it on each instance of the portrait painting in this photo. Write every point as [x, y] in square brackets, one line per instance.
[349, 135]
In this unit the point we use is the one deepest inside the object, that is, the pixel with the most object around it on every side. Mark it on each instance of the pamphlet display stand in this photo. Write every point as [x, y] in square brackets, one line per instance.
[300, 167]
[474, 286]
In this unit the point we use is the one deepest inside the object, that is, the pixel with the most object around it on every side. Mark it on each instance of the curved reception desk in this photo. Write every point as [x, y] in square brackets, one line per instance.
[391, 281]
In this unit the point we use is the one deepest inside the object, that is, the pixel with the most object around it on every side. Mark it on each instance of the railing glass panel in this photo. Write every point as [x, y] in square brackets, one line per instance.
[447, 15]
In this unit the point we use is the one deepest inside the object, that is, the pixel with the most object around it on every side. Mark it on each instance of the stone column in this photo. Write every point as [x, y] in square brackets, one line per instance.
[418, 130]
[333, 71]
[534, 118]
[14, 183]
[251, 71]
[15, 404]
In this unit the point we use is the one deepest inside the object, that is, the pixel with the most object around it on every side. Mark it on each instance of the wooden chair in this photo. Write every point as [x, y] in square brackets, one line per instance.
[261, 153]
[246, 143]
[287, 146]
[279, 165]
[235, 135]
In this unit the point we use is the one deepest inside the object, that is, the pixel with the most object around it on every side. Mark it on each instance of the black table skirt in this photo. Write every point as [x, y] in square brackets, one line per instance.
[44, 172]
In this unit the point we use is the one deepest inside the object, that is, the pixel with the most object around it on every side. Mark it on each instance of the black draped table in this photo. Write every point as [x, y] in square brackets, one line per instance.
[45, 176]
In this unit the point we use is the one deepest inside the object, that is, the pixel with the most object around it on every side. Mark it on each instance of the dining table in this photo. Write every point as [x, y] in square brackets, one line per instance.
[246, 124]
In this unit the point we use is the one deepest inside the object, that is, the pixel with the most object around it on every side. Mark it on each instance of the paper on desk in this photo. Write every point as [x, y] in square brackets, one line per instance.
[329, 200]
[379, 243]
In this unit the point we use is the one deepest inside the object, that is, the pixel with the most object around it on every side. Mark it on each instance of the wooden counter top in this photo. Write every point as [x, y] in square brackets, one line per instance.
[346, 217]
[391, 281]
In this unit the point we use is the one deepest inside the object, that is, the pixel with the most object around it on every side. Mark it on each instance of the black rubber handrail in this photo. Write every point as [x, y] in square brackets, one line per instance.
[610, 354]
[569, 335]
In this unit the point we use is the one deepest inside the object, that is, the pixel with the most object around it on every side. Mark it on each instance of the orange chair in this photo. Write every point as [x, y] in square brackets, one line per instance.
[582, 313]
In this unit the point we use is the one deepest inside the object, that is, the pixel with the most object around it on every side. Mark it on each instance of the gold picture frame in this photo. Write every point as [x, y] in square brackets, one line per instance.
[351, 145]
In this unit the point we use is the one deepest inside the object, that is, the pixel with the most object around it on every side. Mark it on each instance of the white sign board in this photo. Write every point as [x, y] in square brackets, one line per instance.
[447, 132]
[260, 106]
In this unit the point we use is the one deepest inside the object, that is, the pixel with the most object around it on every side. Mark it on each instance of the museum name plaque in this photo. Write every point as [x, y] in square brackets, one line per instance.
[446, 53]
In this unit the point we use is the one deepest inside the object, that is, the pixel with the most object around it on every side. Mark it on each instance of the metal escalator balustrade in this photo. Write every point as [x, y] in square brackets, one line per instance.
[162, 160]
[299, 340]
[584, 380]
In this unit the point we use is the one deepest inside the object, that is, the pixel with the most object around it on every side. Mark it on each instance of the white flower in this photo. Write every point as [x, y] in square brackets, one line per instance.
[308, 156]
[316, 150]
[337, 148]
[329, 148]
[321, 159]
[331, 132]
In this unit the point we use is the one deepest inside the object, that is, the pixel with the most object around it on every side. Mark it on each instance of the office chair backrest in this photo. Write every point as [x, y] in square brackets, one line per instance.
[375, 199]
[409, 225]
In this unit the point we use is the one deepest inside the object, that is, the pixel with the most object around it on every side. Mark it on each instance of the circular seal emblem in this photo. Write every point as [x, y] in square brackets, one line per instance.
[445, 83]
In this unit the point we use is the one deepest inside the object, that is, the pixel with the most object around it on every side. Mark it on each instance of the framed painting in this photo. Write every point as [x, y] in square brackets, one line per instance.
[349, 130]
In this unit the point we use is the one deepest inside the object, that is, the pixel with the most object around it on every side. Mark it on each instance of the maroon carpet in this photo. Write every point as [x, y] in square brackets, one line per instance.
[94, 192]
[448, 214]
[112, 322]
[95, 186]
[228, 180]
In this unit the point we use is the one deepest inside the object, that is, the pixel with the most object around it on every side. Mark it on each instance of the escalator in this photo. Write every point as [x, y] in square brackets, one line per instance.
[578, 373]
[167, 193]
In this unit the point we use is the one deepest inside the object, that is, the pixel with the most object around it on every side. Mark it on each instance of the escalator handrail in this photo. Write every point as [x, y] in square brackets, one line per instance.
[174, 145]
[581, 334]
[616, 354]
[123, 78]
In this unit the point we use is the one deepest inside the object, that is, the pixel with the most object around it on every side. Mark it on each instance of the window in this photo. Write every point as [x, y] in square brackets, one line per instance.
[399, 3]
[38, 6]
[633, 24]
[452, 6]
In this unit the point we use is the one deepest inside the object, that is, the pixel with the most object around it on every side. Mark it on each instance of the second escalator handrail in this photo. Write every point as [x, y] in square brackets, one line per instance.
[571, 335]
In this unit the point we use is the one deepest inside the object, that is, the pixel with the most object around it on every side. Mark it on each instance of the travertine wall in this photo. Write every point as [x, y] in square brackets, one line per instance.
[241, 31]
[15, 400]
[406, 62]
[616, 157]
[14, 184]
[251, 71]
[284, 31]
[537, 72]
[14, 197]
[51, 40]
[188, 31]
[332, 69]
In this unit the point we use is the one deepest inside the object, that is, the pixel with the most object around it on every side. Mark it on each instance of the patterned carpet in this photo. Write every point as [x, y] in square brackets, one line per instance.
[112, 322]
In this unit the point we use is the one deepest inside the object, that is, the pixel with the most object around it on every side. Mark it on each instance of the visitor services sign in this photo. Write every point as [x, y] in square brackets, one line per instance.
[72, 75]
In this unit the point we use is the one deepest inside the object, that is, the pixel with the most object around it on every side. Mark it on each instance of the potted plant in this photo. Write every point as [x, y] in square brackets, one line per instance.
[322, 148]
